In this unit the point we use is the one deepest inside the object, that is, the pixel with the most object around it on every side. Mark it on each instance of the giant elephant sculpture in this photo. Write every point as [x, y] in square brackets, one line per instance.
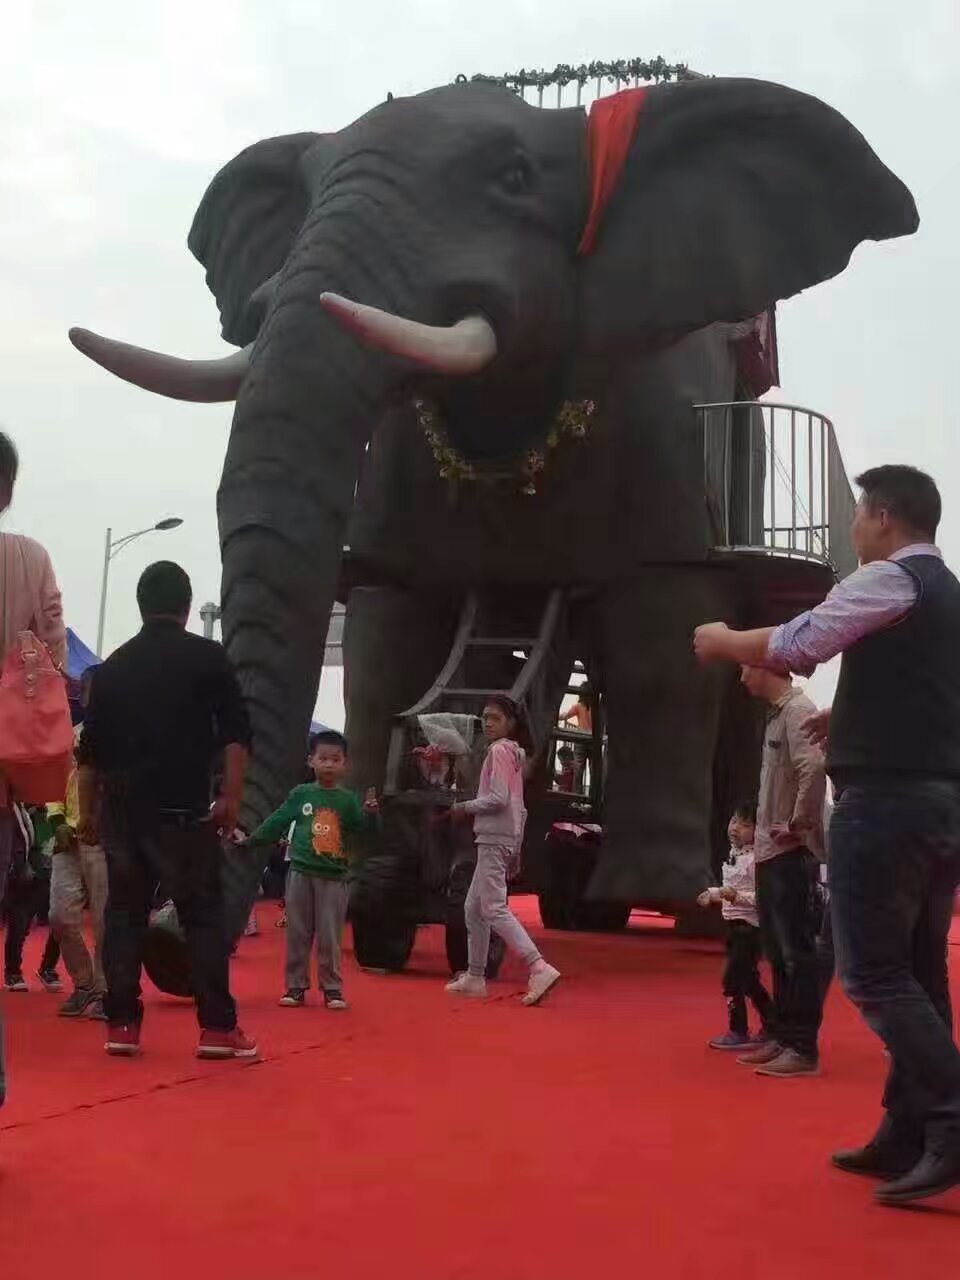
[461, 210]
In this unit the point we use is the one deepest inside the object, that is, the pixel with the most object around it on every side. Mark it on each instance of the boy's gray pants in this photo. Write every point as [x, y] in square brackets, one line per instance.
[316, 908]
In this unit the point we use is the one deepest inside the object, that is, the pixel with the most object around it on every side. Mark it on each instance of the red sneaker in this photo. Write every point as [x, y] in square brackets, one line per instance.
[226, 1044]
[123, 1041]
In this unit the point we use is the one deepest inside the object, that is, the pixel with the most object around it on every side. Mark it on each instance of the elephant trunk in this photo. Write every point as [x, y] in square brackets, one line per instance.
[301, 426]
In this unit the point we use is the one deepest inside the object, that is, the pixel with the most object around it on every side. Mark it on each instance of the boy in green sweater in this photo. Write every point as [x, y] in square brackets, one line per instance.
[321, 814]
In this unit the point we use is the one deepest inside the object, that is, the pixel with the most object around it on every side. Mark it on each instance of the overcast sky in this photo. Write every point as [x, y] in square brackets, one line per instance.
[114, 116]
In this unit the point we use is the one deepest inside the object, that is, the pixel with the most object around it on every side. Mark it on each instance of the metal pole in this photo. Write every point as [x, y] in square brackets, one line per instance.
[793, 478]
[103, 592]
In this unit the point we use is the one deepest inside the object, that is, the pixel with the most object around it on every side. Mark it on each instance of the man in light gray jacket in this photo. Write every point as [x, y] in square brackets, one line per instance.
[787, 849]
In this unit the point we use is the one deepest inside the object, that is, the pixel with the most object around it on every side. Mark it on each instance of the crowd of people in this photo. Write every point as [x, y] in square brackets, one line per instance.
[136, 825]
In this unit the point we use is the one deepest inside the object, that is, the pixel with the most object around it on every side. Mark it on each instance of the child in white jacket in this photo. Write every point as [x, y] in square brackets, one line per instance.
[499, 816]
[738, 896]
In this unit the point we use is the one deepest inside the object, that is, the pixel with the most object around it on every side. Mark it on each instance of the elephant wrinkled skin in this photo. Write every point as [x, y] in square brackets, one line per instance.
[467, 203]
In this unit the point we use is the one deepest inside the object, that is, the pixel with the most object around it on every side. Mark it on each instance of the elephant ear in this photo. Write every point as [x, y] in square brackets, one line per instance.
[246, 224]
[735, 194]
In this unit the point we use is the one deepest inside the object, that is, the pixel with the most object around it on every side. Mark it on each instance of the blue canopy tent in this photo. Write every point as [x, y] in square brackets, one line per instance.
[79, 660]
[79, 657]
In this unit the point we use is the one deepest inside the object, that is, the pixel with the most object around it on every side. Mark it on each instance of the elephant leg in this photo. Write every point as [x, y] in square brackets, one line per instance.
[662, 713]
[736, 769]
[394, 644]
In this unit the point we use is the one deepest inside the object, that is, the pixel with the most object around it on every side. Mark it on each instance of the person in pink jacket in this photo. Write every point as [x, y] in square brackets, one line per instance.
[499, 816]
[29, 595]
[29, 601]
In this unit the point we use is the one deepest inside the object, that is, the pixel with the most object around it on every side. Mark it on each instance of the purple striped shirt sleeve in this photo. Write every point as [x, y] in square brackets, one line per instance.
[876, 596]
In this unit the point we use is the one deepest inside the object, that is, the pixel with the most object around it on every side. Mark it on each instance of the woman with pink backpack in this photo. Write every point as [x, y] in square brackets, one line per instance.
[29, 601]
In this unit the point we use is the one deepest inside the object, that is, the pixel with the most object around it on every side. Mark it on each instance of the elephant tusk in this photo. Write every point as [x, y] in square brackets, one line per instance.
[202, 381]
[462, 348]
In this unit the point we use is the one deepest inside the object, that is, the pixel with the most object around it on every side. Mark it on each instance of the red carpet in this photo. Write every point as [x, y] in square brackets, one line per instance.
[415, 1136]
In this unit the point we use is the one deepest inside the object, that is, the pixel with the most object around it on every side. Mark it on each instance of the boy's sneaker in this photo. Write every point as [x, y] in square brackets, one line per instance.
[15, 982]
[96, 1011]
[467, 985]
[730, 1040]
[76, 1005]
[123, 1041]
[50, 980]
[251, 929]
[334, 1000]
[543, 978]
[226, 1044]
[293, 999]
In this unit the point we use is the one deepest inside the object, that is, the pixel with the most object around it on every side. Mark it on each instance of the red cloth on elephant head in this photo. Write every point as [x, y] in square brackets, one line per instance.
[610, 130]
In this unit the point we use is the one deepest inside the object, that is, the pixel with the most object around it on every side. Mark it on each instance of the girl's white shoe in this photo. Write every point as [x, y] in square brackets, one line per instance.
[543, 977]
[465, 984]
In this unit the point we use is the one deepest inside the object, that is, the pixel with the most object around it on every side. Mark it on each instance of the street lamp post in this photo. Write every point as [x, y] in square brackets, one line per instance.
[112, 547]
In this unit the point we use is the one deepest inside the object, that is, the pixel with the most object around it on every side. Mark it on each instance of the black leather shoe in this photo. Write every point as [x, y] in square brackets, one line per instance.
[937, 1171]
[875, 1161]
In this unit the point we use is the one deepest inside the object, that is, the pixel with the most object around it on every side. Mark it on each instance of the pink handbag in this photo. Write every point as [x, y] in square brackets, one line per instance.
[36, 734]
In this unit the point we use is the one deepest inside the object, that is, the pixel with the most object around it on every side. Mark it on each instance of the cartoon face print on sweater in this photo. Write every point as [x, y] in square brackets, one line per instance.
[325, 830]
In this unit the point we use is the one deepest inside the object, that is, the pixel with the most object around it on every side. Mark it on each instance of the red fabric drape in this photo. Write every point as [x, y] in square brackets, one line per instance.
[757, 360]
[610, 131]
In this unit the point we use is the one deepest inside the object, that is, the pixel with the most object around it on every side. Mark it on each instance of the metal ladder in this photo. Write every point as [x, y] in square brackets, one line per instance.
[457, 689]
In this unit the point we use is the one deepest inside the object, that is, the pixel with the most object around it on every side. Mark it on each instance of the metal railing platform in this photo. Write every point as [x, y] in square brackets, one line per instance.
[775, 483]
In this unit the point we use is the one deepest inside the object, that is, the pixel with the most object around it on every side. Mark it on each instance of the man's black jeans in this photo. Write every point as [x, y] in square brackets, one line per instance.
[894, 870]
[184, 855]
[788, 926]
[741, 977]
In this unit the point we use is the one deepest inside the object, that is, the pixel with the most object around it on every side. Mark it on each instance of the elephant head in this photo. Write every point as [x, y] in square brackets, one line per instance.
[432, 246]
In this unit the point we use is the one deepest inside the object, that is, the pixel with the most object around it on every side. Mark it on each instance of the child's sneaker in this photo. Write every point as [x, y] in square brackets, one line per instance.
[50, 980]
[731, 1040]
[543, 978]
[15, 982]
[334, 1000]
[76, 1005]
[294, 998]
[251, 929]
[467, 985]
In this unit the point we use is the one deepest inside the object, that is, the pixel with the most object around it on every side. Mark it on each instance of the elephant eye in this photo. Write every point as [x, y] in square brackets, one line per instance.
[516, 177]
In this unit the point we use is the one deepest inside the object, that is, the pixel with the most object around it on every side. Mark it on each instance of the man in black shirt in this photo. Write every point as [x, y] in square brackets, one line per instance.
[162, 709]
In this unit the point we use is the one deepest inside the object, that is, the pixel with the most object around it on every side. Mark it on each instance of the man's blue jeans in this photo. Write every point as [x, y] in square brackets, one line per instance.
[894, 870]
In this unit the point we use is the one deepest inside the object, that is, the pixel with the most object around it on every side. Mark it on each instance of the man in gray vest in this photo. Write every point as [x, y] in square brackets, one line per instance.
[893, 755]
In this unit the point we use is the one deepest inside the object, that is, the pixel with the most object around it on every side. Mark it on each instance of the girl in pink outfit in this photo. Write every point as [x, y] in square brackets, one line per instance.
[499, 816]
